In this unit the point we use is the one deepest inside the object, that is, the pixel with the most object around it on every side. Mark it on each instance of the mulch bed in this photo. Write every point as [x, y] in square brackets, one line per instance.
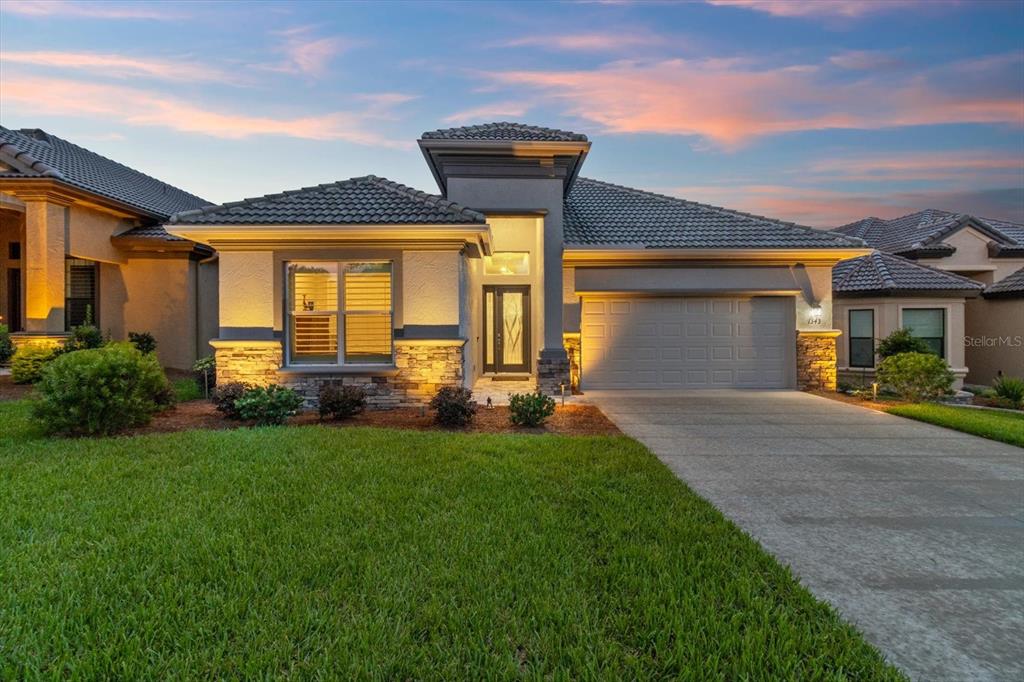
[12, 391]
[568, 420]
[881, 404]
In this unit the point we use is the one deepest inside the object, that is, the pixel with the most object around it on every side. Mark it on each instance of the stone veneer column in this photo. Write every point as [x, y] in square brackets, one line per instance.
[247, 361]
[553, 371]
[816, 360]
[573, 350]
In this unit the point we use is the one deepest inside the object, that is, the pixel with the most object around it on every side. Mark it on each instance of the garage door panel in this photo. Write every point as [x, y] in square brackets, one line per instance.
[686, 342]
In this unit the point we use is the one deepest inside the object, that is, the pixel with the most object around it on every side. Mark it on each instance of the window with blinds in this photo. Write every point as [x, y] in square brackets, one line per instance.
[355, 307]
[80, 279]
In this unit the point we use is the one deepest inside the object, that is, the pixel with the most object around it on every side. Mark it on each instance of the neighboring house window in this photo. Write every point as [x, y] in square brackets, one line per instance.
[344, 319]
[80, 286]
[862, 338]
[507, 263]
[929, 325]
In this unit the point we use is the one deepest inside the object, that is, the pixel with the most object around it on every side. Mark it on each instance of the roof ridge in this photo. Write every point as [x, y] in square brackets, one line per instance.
[854, 241]
[883, 269]
[418, 194]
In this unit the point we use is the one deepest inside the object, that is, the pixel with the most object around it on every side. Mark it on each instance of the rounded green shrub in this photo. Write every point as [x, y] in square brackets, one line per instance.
[226, 396]
[916, 376]
[6, 345]
[530, 409]
[144, 341]
[84, 337]
[100, 391]
[28, 362]
[453, 405]
[268, 405]
[901, 341]
[341, 402]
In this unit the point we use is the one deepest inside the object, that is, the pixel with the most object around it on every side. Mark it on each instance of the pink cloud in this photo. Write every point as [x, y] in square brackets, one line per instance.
[130, 106]
[489, 112]
[306, 54]
[730, 101]
[865, 60]
[588, 42]
[915, 166]
[88, 10]
[120, 66]
[816, 8]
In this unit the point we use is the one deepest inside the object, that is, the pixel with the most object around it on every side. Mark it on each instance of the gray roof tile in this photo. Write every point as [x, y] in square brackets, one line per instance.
[504, 131]
[1011, 286]
[602, 214]
[367, 200]
[49, 156]
[926, 229]
[885, 272]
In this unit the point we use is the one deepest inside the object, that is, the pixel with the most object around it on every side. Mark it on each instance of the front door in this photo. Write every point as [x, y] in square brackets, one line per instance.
[14, 299]
[506, 329]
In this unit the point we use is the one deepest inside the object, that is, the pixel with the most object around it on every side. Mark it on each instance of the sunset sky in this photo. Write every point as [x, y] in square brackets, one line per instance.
[816, 112]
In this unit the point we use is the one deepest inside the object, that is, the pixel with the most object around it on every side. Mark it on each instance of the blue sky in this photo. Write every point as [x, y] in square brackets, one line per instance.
[817, 112]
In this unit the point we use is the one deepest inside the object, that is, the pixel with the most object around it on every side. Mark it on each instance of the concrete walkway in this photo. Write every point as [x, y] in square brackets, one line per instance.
[913, 532]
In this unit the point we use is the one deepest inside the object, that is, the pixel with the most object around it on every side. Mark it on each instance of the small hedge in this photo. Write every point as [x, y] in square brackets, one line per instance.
[916, 376]
[84, 337]
[530, 409]
[268, 405]
[100, 391]
[900, 341]
[28, 363]
[454, 406]
[6, 345]
[1010, 390]
[225, 397]
[144, 341]
[341, 402]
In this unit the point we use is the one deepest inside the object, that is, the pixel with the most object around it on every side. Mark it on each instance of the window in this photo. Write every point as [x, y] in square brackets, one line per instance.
[929, 325]
[80, 278]
[507, 263]
[328, 302]
[862, 338]
[14, 250]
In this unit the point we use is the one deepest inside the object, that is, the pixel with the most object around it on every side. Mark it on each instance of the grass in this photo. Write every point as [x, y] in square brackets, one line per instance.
[373, 553]
[186, 389]
[1006, 427]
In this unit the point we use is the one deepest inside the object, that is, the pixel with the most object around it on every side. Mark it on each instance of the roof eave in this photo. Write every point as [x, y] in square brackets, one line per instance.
[593, 255]
[66, 192]
[899, 292]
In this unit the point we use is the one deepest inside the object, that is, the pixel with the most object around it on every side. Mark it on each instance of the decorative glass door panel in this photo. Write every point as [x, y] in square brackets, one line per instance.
[506, 329]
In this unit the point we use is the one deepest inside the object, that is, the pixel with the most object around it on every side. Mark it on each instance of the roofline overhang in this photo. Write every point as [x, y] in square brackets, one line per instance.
[908, 293]
[476, 237]
[523, 148]
[577, 255]
[62, 192]
[1003, 294]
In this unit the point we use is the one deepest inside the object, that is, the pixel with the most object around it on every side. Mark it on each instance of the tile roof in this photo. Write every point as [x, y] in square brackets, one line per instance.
[504, 131]
[602, 214]
[1011, 286]
[48, 156]
[368, 200]
[885, 272]
[926, 229]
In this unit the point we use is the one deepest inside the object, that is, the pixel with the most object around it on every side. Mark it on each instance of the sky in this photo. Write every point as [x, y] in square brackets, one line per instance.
[811, 111]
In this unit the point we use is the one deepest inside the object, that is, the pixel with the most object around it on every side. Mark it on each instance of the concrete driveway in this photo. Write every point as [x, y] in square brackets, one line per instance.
[913, 532]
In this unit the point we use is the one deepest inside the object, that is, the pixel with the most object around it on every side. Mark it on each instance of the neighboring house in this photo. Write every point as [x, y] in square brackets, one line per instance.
[989, 334]
[81, 235]
[876, 295]
[521, 269]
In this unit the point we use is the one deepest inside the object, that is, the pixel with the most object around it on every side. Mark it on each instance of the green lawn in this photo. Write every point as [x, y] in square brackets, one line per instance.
[306, 551]
[1002, 426]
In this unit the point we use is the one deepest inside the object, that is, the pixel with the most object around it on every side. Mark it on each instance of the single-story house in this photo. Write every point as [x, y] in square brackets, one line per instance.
[877, 294]
[991, 338]
[520, 268]
[81, 236]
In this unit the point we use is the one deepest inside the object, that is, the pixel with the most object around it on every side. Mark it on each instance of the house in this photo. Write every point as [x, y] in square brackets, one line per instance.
[81, 236]
[982, 336]
[519, 269]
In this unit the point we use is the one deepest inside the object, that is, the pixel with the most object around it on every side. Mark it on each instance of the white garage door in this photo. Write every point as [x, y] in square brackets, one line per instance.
[676, 343]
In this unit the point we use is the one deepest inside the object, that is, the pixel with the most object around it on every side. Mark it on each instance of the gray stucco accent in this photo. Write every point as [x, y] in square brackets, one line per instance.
[686, 280]
[247, 334]
[429, 331]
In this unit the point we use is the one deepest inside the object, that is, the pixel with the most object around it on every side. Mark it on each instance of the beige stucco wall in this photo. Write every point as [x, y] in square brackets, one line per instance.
[888, 318]
[246, 294]
[971, 258]
[431, 287]
[995, 339]
[89, 233]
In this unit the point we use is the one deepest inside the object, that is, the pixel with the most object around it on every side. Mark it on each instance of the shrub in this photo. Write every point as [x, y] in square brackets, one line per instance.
[267, 406]
[1010, 389]
[28, 363]
[100, 391]
[186, 390]
[225, 397]
[341, 402]
[144, 341]
[916, 376]
[900, 341]
[84, 337]
[454, 406]
[530, 409]
[6, 345]
[205, 371]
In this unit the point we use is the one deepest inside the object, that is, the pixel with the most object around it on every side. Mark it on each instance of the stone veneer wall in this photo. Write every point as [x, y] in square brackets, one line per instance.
[553, 372]
[816, 361]
[421, 367]
[572, 349]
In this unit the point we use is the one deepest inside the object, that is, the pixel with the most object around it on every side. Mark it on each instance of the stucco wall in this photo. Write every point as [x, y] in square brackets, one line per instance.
[209, 306]
[89, 234]
[995, 339]
[246, 294]
[888, 319]
[431, 286]
[971, 258]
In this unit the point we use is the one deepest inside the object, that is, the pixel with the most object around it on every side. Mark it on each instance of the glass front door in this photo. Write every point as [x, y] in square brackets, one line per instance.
[506, 329]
